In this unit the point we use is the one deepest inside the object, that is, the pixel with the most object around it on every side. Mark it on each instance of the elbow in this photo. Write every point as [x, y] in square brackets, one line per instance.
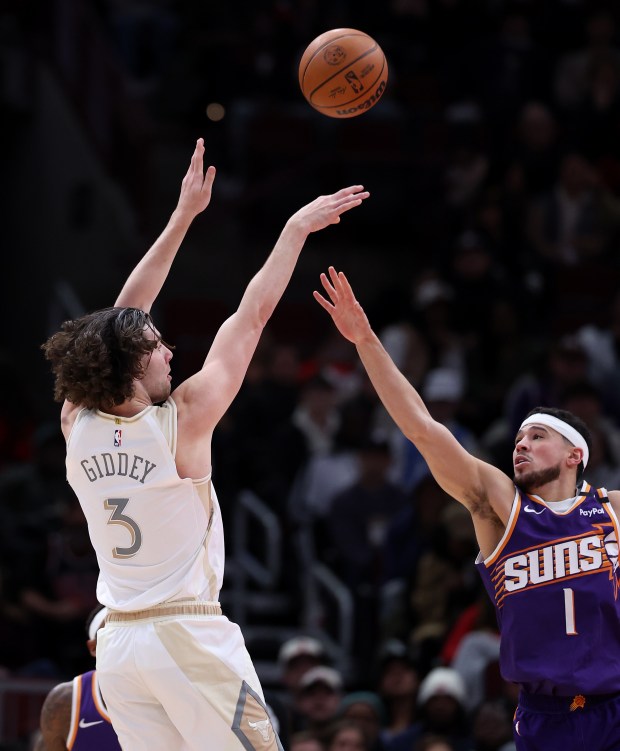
[420, 430]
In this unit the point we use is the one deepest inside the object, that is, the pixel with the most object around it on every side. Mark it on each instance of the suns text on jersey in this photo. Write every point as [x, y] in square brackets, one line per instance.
[559, 560]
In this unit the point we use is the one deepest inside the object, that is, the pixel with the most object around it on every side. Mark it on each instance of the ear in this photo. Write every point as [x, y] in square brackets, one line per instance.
[575, 457]
[91, 645]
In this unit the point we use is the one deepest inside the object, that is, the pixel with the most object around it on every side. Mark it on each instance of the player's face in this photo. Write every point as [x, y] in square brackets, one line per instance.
[157, 378]
[537, 456]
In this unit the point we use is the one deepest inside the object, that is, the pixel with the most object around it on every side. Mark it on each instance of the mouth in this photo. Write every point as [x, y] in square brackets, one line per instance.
[520, 460]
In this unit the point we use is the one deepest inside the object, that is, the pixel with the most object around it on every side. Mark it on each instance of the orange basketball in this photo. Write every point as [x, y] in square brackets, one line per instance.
[343, 73]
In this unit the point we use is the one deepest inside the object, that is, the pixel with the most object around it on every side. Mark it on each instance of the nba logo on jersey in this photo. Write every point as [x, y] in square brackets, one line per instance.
[117, 437]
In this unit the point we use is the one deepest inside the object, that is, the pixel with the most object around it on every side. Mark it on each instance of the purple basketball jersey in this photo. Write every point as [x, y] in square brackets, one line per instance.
[554, 582]
[91, 729]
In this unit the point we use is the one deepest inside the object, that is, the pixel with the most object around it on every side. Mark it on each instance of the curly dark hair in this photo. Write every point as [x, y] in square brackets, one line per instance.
[95, 358]
[570, 419]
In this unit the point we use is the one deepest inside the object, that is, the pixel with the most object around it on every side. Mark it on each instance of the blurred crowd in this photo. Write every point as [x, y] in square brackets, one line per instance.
[513, 111]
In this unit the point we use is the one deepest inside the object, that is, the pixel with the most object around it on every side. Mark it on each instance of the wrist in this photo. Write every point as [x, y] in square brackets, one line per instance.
[182, 217]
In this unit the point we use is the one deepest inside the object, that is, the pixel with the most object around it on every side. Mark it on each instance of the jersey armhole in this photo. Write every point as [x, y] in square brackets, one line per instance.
[166, 416]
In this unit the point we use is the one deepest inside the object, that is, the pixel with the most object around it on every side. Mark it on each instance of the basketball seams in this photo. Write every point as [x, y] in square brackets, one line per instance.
[343, 73]
[323, 46]
[342, 70]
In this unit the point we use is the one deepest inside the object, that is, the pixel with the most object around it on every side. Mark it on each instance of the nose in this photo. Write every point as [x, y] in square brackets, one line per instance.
[521, 445]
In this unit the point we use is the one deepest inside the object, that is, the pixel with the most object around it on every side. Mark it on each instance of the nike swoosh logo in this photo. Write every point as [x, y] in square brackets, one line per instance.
[531, 510]
[84, 724]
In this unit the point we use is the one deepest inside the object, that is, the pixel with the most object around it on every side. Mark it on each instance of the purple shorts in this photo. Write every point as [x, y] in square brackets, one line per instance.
[563, 723]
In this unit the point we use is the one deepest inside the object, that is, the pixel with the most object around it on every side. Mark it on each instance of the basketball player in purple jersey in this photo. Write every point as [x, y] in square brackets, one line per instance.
[548, 551]
[74, 715]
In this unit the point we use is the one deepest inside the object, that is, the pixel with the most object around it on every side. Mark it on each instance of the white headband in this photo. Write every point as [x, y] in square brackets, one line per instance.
[563, 428]
[97, 622]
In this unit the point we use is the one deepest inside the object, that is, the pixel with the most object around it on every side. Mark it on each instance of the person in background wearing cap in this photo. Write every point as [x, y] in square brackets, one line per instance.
[548, 550]
[74, 715]
[441, 703]
[317, 701]
[296, 657]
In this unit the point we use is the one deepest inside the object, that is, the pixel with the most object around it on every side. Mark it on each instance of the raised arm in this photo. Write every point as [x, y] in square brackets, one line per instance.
[146, 280]
[204, 398]
[476, 484]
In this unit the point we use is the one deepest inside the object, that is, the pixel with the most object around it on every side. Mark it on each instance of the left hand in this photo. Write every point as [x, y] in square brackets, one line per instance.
[347, 314]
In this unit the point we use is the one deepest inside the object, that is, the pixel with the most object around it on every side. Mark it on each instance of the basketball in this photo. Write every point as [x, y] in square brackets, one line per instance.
[343, 73]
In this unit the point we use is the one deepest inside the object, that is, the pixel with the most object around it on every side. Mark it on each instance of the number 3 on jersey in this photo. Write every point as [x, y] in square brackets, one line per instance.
[117, 506]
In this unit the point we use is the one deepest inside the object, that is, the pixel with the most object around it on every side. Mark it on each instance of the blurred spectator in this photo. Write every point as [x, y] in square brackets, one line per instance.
[56, 586]
[441, 700]
[365, 709]
[602, 346]
[397, 684]
[563, 366]
[410, 536]
[359, 515]
[33, 495]
[535, 148]
[306, 740]
[476, 650]
[585, 401]
[477, 280]
[577, 220]
[296, 657]
[444, 584]
[492, 727]
[572, 71]
[317, 700]
[432, 742]
[346, 735]
[442, 390]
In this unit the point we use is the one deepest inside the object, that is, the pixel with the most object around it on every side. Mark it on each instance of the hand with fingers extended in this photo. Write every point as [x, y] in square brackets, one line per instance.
[347, 314]
[197, 185]
[326, 210]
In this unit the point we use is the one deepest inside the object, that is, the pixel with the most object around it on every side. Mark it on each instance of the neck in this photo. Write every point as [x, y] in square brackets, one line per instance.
[558, 490]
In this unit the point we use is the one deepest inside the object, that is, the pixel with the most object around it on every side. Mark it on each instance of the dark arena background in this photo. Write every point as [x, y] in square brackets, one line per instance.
[487, 259]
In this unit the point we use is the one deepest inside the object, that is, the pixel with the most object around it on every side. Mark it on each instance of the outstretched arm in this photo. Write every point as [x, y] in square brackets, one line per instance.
[467, 479]
[204, 398]
[146, 280]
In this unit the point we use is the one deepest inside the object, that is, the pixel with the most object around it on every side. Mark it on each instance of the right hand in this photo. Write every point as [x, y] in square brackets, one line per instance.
[196, 185]
[347, 314]
[326, 210]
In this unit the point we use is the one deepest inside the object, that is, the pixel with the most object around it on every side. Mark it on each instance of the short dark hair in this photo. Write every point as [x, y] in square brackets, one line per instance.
[95, 358]
[91, 616]
[570, 419]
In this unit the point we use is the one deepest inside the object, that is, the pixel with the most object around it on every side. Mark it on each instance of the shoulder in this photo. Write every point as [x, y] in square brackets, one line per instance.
[614, 499]
[56, 710]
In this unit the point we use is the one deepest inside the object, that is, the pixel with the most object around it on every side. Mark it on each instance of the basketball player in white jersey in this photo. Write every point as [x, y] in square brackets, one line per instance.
[174, 671]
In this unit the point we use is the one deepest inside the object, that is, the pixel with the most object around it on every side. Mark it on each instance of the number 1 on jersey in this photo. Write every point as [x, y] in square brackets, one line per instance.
[569, 612]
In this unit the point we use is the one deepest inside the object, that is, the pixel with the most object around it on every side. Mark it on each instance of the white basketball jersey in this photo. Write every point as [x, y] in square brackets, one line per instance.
[157, 537]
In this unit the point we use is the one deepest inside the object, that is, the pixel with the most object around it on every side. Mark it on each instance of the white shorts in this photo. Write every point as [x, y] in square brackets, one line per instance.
[182, 682]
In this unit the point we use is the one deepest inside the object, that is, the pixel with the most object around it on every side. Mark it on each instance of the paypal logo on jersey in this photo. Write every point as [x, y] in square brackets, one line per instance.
[591, 511]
